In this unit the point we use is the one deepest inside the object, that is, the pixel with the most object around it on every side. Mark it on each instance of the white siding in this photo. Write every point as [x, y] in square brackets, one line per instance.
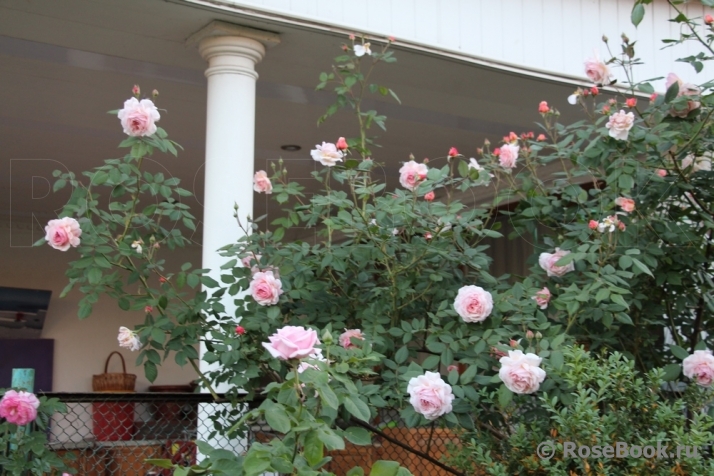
[547, 35]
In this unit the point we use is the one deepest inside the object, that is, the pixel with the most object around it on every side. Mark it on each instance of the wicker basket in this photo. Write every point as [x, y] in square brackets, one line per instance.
[114, 382]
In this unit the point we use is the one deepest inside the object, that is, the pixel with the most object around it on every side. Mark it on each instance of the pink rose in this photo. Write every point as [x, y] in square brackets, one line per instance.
[248, 260]
[627, 204]
[508, 156]
[542, 298]
[265, 288]
[473, 304]
[699, 366]
[540, 138]
[19, 408]
[685, 89]
[547, 262]
[593, 224]
[240, 330]
[341, 144]
[138, 117]
[521, 372]
[128, 339]
[661, 172]
[453, 152]
[411, 174]
[631, 102]
[429, 197]
[292, 342]
[704, 162]
[430, 395]
[543, 107]
[597, 70]
[63, 233]
[327, 154]
[261, 182]
[345, 338]
[620, 124]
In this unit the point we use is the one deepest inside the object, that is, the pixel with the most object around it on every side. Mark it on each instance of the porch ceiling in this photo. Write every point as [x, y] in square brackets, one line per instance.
[64, 64]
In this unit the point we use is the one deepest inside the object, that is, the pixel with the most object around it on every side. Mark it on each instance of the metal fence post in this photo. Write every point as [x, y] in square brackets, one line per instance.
[23, 379]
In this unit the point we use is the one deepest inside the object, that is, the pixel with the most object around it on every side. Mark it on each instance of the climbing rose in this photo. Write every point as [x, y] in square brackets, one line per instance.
[19, 408]
[138, 117]
[128, 339]
[63, 233]
[411, 174]
[265, 288]
[261, 182]
[521, 372]
[473, 303]
[700, 367]
[345, 338]
[430, 395]
[627, 204]
[292, 342]
[547, 262]
[508, 156]
[327, 154]
[620, 124]
[597, 70]
[542, 298]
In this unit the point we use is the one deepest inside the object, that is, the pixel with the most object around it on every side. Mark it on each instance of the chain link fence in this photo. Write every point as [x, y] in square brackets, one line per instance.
[113, 434]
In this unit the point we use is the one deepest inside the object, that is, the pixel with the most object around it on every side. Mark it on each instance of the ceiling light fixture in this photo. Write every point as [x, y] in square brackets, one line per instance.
[291, 147]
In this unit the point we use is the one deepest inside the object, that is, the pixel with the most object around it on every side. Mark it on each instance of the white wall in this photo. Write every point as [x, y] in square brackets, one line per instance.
[81, 347]
[549, 35]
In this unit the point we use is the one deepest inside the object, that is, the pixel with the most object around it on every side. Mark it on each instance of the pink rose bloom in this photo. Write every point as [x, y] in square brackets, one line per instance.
[327, 154]
[543, 107]
[685, 89]
[345, 338]
[341, 143]
[265, 288]
[128, 339]
[521, 372]
[453, 152]
[473, 304]
[138, 117]
[63, 233]
[452, 368]
[597, 70]
[593, 224]
[631, 102]
[292, 342]
[542, 298]
[708, 19]
[661, 172]
[627, 204]
[19, 408]
[248, 260]
[411, 174]
[703, 162]
[620, 124]
[547, 262]
[261, 182]
[430, 395]
[508, 156]
[699, 366]
[429, 197]
[540, 138]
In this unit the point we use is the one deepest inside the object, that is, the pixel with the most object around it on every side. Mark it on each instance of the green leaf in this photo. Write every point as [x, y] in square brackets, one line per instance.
[358, 436]
[678, 352]
[278, 419]
[469, 374]
[641, 267]
[638, 13]
[672, 92]
[401, 355]
[358, 471]
[504, 396]
[671, 372]
[314, 448]
[357, 408]
[255, 463]
[328, 397]
[331, 439]
[158, 335]
[384, 468]
[150, 371]
[94, 275]
[161, 463]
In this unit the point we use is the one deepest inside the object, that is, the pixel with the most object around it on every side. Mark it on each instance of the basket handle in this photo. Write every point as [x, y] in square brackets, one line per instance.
[123, 364]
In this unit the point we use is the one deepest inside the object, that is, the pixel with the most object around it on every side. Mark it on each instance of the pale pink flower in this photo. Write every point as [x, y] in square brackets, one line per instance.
[542, 298]
[704, 162]
[317, 355]
[620, 124]
[685, 89]
[661, 172]
[361, 50]
[261, 182]
[128, 339]
[592, 225]
[540, 138]
[19, 408]
[708, 19]
[597, 70]
[608, 224]
[700, 367]
[138, 117]
[627, 204]
[327, 154]
[63, 233]
[452, 368]
[345, 338]
[473, 304]
[265, 288]
[543, 107]
[136, 90]
[429, 197]
[428, 236]
[292, 342]
[341, 143]
[631, 102]
[508, 156]
[411, 174]
[547, 262]
[521, 372]
[430, 395]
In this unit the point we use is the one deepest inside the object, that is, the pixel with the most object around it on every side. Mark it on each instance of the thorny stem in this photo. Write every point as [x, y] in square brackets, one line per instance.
[202, 376]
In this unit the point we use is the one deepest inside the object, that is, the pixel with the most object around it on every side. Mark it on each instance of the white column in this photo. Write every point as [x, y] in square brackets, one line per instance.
[232, 52]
